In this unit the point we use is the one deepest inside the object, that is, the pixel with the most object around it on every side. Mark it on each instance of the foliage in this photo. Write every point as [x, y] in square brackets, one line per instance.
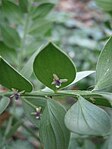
[105, 5]
[83, 117]
[24, 26]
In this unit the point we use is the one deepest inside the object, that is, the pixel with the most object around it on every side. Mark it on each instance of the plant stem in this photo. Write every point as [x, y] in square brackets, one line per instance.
[25, 32]
[90, 96]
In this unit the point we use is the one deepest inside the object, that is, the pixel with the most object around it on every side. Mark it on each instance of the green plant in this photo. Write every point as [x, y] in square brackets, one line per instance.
[24, 26]
[105, 5]
[57, 126]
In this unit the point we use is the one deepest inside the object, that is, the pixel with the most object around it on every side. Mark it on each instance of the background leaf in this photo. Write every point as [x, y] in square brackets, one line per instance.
[53, 133]
[14, 128]
[42, 10]
[51, 60]
[7, 53]
[87, 119]
[4, 102]
[105, 4]
[11, 10]
[40, 27]
[10, 36]
[28, 67]
[108, 143]
[10, 78]
[23, 5]
[82, 143]
[104, 67]
[20, 144]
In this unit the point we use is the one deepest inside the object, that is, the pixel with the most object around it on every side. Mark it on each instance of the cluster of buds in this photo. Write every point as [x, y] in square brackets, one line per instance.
[57, 82]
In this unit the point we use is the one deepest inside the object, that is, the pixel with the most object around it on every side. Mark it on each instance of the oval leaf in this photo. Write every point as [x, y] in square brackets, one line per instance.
[104, 67]
[51, 63]
[53, 133]
[11, 78]
[87, 119]
[4, 102]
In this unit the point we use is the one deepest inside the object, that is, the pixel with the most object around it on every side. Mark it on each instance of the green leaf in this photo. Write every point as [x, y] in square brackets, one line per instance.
[108, 143]
[11, 10]
[106, 5]
[23, 5]
[87, 119]
[73, 142]
[27, 70]
[40, 27]
[4, 102]
[81, 75]
[51, 60]
[94, 97]
[20, 144]
[10, 36]
[104, 67]
[97, 98]
[42, 10]
[50, 1]
[14, 129]
[53, 133]
[7, 53]
[28, 67]
[11, 78]
[88, 145]
[106, 95]
[30, 105]
[82, 144]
